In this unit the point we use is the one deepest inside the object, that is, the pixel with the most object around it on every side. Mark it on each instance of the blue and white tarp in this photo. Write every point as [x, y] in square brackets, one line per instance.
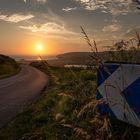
[118, 91]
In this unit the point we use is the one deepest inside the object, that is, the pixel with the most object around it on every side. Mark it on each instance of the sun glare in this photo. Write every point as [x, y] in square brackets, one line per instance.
[39, 48]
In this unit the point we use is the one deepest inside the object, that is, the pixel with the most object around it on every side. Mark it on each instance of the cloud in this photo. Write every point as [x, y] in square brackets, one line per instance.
[132, 32]
[40, 1]
[49, 28]
[112, 28]
[67, 9]
[15, 18]
[25, 1]
[103, 11]
[115, 7]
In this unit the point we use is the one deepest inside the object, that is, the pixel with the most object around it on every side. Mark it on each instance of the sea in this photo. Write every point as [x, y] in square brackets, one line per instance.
[33, 57]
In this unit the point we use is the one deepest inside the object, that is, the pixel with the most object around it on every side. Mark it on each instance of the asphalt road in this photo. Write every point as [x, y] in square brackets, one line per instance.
[19, 91]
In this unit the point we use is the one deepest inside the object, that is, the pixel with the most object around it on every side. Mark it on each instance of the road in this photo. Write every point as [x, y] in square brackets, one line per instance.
[19, 91]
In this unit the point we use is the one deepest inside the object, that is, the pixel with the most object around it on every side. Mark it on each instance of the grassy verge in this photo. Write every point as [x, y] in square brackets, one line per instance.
[10, 72]
[66, 111]
[8, 67]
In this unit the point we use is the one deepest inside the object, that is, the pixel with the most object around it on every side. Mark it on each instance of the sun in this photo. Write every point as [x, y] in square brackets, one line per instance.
[39, 47]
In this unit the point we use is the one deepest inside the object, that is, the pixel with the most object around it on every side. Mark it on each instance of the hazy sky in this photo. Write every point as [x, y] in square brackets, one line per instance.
[56, 24]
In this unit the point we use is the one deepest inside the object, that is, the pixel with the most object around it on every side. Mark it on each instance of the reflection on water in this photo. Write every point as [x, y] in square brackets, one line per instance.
[33, 57]
[76, 66]
[39, 59]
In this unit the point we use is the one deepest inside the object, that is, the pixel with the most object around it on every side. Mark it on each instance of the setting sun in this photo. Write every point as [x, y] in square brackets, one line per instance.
[39, 47]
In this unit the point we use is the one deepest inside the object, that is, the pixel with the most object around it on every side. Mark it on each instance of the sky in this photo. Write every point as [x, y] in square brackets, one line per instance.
[55, 24]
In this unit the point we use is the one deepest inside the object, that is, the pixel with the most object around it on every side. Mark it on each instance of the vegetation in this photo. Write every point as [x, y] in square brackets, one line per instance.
[67, 111]
[8, 66]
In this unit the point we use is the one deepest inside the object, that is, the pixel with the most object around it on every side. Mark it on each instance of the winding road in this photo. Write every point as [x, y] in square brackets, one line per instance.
[19, 91]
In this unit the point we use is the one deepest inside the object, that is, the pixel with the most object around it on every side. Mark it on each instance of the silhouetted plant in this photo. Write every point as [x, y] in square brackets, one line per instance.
[123, 52]
[97, 61]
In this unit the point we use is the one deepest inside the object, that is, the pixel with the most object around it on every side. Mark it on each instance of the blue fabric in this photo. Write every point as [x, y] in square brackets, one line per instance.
[132, 96]
[104, 108]
[104, 72]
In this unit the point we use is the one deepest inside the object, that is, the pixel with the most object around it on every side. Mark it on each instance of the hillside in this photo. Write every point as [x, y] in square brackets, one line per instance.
[83, 58]
[76, 58]
[8, 66]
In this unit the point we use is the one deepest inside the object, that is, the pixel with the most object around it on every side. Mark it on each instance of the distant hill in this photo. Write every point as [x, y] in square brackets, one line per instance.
[7, 60]
[76, 58]
[82, 58]
[8, 66]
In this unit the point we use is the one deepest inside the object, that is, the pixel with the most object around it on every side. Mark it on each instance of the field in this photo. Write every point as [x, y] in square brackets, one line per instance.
[67, 111]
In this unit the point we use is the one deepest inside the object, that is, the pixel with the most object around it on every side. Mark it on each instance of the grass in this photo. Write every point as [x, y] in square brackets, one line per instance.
[67, 111]
[8, 67]
[8, 71]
